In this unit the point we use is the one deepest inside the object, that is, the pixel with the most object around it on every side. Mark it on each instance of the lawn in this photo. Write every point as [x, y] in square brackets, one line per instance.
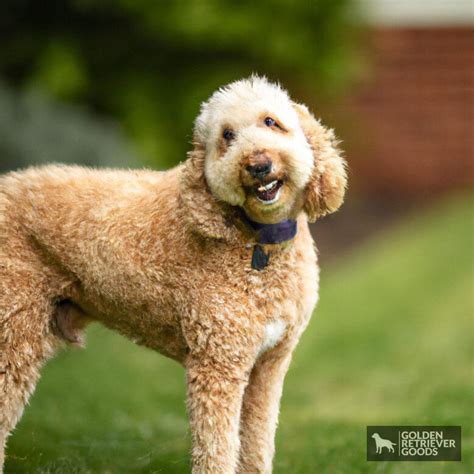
[390, 343]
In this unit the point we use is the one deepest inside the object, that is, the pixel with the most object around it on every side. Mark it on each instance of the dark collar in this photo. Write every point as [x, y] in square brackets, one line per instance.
[271, 233]
[267, 234]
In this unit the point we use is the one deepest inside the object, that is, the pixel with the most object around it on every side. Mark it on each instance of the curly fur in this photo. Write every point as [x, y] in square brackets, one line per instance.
[164, 259]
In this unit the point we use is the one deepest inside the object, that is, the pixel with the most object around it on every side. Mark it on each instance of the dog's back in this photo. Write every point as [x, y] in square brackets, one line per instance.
[60, 206]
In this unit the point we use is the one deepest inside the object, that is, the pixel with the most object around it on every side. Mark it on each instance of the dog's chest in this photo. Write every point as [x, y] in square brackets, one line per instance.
[273, 334]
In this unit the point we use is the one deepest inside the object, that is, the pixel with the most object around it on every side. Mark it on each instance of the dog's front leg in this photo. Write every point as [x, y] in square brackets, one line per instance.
[215, 390]
[260, 410]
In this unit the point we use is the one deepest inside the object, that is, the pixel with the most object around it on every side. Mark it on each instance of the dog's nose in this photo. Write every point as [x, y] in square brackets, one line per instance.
[260, 170]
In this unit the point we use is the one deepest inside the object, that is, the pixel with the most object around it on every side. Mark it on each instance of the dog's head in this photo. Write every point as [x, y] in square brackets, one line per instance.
[266, 154]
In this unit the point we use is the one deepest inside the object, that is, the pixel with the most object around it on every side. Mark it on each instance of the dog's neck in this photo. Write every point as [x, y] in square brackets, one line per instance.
[266, 234]
[270, 233]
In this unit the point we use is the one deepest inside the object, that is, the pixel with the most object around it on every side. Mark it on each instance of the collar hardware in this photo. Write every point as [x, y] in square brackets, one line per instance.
[260, 259]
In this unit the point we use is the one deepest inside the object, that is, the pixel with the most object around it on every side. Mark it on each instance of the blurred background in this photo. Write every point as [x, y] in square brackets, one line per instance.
[119, 83]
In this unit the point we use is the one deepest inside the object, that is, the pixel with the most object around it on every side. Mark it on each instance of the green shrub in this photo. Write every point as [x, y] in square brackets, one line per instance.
[34, 130]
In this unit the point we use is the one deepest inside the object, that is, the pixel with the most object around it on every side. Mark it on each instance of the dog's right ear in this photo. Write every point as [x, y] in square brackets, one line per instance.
[204, 214]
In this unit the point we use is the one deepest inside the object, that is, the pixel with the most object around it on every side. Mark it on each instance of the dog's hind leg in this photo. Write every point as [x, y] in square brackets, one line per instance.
[26, 340]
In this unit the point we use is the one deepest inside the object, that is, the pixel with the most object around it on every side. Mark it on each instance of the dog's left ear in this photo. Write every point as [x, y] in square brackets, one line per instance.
[325, 190]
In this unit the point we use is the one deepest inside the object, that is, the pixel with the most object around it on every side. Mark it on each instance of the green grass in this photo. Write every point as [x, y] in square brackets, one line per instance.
[390, 343]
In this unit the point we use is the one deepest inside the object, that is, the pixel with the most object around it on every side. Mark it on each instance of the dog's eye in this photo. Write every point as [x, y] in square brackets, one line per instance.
[269, 122]
[228, 134]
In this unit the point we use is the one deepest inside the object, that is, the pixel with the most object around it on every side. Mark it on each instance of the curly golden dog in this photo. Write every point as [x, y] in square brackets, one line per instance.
[210, 263]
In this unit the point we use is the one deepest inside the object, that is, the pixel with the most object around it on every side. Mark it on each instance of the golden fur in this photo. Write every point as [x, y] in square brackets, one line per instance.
[163, 258]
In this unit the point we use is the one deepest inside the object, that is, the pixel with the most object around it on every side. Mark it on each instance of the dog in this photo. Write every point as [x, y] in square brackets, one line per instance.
[210, 263]
[381, 443]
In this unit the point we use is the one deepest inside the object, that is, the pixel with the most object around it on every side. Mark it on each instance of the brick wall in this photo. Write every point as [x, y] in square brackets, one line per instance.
[410, 125]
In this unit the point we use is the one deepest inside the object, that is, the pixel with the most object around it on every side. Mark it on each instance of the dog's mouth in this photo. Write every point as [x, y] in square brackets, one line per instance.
[268, 193]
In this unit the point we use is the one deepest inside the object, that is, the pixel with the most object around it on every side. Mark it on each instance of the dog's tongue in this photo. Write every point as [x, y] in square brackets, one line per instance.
[267, 195]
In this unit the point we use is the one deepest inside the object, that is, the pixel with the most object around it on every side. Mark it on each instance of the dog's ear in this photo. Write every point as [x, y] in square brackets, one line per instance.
[204, 214]
[325, 190]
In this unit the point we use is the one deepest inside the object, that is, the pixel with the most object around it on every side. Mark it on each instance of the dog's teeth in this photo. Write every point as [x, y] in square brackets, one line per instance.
[270, 185]
[267, 187]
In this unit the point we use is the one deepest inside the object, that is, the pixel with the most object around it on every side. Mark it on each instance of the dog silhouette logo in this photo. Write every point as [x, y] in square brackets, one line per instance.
[381, 443]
